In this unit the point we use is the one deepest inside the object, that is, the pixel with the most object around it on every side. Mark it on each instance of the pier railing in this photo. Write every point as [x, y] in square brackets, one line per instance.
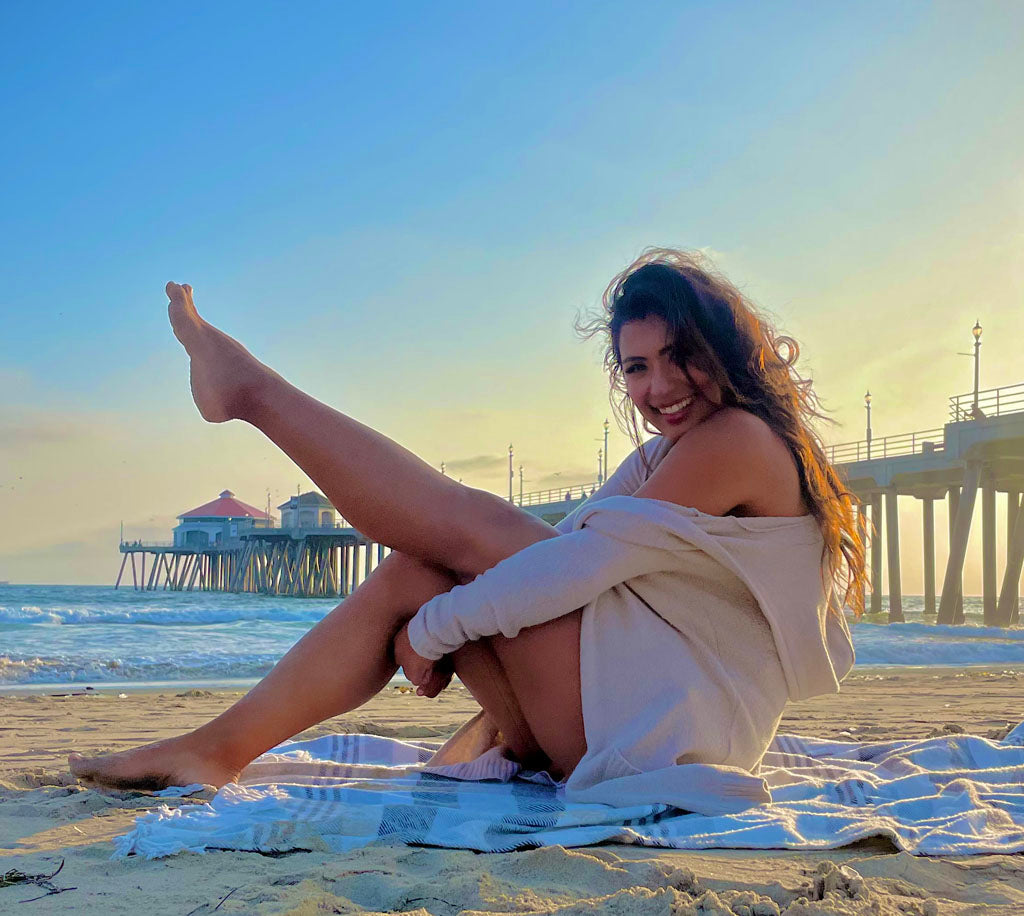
[925, 440]
[144, 545]
[992, 402]
[556, 495]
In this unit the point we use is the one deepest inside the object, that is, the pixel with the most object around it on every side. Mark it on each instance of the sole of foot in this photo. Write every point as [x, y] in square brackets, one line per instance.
[224, 375]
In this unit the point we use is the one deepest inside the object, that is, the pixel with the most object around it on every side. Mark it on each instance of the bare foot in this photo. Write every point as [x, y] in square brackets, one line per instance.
[225, 376]
[173, 762]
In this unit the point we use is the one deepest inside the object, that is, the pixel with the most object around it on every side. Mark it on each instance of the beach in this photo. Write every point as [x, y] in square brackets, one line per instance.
[46, 818]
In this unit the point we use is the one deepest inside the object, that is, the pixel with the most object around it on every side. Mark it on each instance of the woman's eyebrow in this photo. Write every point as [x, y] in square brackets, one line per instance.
[633, 359]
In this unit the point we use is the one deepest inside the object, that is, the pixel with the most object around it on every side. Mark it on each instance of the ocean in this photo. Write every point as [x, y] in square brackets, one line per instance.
[61, 635]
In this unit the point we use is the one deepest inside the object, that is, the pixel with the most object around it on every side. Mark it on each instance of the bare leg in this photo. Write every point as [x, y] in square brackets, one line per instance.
[392, 497]
[337, 666]
[382, 489]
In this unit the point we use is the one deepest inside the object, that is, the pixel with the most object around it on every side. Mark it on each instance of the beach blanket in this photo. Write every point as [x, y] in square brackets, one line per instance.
[954, 794]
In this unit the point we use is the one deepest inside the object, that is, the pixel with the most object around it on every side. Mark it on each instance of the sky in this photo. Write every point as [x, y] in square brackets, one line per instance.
[403, 207]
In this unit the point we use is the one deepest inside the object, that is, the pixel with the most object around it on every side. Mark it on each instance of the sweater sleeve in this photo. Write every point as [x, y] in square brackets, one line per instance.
[546, 580]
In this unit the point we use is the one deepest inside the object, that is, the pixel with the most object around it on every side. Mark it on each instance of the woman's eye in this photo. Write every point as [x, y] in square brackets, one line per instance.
[636, 367]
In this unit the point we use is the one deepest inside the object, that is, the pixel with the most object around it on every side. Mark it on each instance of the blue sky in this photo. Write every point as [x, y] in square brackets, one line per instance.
[403, 206]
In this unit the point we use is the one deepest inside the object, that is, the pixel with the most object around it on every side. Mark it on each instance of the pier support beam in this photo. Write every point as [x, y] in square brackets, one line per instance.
[862, 530]
[1008, 594]
[1013, 505]
[928, 505]
[892, 541]
[988, 547]
[954, 507]
[876, 553]
[952, 583]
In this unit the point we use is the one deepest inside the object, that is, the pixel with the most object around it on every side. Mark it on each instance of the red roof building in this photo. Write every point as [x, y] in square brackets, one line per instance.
[225, 506]
[220, 521]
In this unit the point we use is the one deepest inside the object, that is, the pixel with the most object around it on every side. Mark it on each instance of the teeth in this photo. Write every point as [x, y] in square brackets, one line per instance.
[675, 408]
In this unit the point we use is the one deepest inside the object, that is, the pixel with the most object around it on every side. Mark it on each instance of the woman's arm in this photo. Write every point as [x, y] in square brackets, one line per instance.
[539, 583]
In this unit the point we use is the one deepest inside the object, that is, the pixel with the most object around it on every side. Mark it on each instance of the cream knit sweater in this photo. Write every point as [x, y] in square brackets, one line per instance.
[696, 629]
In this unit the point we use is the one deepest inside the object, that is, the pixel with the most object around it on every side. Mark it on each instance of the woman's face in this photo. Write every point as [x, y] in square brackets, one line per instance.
[659, 388]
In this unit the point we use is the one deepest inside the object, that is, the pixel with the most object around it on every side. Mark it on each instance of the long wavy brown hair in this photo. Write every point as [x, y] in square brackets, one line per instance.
[714, 327]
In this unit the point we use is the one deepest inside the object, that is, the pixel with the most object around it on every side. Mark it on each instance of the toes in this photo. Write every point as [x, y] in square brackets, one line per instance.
[172, 289]
[179, 292]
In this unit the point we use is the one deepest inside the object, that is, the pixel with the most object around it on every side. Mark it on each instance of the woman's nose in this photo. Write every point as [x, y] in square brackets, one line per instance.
[661, 384]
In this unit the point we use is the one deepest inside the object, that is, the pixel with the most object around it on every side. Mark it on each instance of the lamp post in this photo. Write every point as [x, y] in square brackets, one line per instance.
[511, 474]
[604, 476]
[442, 469]
[600, 465]
[976, 331]
[867, 407]
[520, 485]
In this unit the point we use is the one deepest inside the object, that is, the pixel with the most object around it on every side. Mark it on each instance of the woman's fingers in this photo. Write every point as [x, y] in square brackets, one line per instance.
[435, 683]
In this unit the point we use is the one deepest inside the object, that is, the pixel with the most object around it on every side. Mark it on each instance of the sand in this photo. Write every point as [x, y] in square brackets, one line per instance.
[46, 818]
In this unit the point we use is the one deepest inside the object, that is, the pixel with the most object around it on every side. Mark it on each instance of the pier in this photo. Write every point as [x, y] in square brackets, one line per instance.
[980, 450]
[302, 563]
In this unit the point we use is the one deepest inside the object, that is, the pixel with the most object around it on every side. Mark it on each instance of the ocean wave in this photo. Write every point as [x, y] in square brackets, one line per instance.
[16, 671]
[157, 616]
[903, 644]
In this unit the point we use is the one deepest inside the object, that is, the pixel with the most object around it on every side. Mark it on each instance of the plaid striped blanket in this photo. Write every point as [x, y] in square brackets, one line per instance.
[949, 795]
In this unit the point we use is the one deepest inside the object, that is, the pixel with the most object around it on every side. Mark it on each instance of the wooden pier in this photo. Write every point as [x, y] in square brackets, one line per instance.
[303, 563]
[981, 448]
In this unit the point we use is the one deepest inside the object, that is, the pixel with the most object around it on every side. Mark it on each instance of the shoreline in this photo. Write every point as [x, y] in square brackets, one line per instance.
[220, 685]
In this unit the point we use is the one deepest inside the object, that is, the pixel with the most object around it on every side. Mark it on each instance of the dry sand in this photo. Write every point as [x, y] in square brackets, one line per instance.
[45, 818]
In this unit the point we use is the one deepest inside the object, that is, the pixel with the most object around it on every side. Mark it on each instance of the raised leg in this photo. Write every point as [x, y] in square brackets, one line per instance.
[382, 489]
[395, 499]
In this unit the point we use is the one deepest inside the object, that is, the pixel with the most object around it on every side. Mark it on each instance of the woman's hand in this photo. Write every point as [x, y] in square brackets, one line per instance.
[430, 677]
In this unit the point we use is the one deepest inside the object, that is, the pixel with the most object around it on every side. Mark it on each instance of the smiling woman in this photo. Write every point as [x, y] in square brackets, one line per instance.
[671, 568]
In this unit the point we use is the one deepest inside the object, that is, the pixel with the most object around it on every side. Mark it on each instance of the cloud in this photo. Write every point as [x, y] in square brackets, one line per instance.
[50, 428]
[16, 435]
[477, 463]
[570, 477]
[717, 257]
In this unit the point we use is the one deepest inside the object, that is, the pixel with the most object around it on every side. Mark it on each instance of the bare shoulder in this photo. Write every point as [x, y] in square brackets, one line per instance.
[732, 463]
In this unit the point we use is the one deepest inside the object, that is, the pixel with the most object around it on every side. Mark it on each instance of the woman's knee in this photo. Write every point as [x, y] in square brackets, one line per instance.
[491, 530]
[409, 582]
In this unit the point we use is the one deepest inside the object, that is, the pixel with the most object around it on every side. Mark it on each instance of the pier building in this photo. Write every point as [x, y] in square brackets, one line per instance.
[308, 510]
[229, 545]
[219, 521]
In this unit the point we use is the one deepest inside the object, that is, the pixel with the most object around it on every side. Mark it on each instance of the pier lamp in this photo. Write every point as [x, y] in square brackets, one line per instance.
[511, 474]
[520, 485]
[604, 476]
[867, 407]
[600, 466]
[442, 468]
[976, 331]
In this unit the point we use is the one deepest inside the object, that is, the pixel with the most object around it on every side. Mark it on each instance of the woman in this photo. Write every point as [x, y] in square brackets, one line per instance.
[733, 449]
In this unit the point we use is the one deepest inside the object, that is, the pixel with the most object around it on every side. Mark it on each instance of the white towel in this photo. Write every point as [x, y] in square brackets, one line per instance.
[951, 795]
